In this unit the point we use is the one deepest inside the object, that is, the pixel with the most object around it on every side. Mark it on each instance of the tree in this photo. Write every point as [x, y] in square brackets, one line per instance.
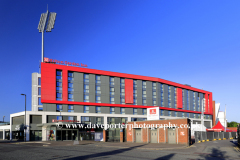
[232, 124]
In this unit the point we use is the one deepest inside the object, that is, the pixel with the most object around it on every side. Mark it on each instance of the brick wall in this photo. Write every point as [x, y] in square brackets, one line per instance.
[182, 134]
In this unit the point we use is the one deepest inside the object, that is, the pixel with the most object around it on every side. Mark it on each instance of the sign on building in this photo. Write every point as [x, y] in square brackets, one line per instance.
[153, 113]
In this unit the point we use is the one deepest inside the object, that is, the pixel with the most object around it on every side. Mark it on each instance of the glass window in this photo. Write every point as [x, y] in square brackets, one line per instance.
[175, 114]
[39, 101]
[162, 112]
[40, 109]
[86, 98]
[144, 83]
[98, 88]
[70, 118]
[122, 90]
[122, 110]
[86, 86]
[183, 114]
[59, 84]
[135, 111]
[59, 73]
[59, 118]
[59, 108]
[39, 90]
[144, 111]
[112, 110]
[134, 81]
[98, 77]
[39, 81]
[86, 76]
[144, 102]
[86, 109]
[59, 95]
[135, 101]
[70, 108]
[70, 85]
[98, 120]
[111, 79]
[169, 113]
[98, 109]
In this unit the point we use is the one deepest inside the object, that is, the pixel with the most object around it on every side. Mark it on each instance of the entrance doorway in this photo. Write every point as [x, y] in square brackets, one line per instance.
[138, 135]
[171, 136]
[67, 135]
[154, 136]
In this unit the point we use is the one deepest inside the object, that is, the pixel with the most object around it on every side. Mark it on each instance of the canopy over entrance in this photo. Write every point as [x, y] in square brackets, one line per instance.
[218, 128]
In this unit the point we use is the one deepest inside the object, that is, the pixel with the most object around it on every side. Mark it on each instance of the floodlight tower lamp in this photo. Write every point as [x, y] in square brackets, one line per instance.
[47, 21]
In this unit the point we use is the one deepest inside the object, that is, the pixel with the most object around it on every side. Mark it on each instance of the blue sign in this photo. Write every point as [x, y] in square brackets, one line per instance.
[98, 136]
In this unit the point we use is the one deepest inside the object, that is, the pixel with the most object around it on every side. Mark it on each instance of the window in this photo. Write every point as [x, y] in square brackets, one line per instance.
[59, 118]
[144, 102]
[135, 92]
[175, 114]
[122, 82]
[70, 118]
[70, 108]
[98, 120]
[111, 86]
[86, 98]
[161, 112]
[112, 100]
[144, 111]
[98, 79]
[98, 109]
[86, 78]
[112, 110]
[188, 115]
[40, 109]
[58, 85]
[135, 101]
[144, 84]
[111, 80]
[169, 97]
[39, 91]
[86, 120]
[70, 86]
[86, 109]
[59, 108]
[39, 81]
[183, 114]
[135, 111]
[122, 110]
[98, 99]
[39, 101]
[162, 89]
[169, 113]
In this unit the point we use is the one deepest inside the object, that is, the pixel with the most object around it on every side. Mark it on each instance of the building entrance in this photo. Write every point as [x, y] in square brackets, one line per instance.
[64, 135]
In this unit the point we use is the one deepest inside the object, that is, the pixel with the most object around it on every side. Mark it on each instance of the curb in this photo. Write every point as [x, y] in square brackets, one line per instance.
[184, 147]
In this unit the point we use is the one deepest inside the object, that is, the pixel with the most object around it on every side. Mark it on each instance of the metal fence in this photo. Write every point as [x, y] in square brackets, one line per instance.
[200, 136]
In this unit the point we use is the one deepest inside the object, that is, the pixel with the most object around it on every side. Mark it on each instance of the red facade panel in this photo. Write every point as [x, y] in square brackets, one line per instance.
[179, 98]
[48, 83]
[210, 104]
[206, 103]
[129, 91]
[64, 85]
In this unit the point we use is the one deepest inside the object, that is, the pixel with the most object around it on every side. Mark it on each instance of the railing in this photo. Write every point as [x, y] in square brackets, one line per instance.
[211, 136]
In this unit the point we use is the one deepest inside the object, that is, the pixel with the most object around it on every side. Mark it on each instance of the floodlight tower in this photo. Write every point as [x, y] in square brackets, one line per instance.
[47, 21]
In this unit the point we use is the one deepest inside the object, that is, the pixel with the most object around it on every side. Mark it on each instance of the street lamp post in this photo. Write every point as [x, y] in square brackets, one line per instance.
[25, 119]
[202, 117]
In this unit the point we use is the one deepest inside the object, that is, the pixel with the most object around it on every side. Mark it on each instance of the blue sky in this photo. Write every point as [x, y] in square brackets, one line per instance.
[188, 42]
